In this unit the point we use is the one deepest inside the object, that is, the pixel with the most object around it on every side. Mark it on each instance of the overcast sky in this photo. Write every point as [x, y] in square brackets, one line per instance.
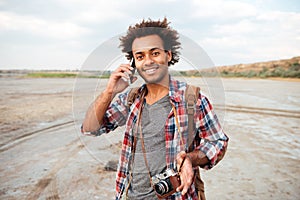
[61, 34]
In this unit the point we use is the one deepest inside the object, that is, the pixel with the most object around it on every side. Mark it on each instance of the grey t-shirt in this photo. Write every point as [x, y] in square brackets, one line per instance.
[153, 121]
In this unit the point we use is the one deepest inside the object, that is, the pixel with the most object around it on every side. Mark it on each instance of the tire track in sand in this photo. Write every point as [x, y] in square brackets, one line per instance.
[262, 111]
[22, 138]
[49, 181]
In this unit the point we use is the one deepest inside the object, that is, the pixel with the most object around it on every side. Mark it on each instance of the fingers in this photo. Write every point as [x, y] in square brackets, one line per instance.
[119, 79]
[186, 187]
[134, 78]
[179, 158]
[118, 75]
[186, 173]
[178, 189]
[186, 181]
[125, 69]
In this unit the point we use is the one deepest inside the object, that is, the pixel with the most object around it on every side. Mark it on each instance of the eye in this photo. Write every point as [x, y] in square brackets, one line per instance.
[139, 57]
[155, 53]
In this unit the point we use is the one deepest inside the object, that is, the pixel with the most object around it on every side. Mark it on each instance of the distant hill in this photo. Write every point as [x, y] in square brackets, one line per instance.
[287, 68]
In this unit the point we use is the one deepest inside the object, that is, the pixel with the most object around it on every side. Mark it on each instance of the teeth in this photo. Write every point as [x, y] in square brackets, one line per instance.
[150, 71]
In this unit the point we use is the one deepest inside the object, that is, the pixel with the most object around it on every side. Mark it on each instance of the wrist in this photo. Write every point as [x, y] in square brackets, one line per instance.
[188, 156]
[197, 158]
[192, 157]
[108, 93]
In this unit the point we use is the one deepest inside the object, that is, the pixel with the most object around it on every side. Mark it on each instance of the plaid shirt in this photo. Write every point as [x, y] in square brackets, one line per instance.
[207, 127]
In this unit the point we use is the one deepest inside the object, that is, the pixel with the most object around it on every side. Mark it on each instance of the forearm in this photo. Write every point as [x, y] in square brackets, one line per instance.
[94, 115]
[209, 154]
[198, 158]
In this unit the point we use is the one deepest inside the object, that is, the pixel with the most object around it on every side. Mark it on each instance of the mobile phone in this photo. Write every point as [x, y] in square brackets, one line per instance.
[132, 64]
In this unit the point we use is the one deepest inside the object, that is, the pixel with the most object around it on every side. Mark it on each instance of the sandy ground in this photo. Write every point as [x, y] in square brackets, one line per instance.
[44, 156]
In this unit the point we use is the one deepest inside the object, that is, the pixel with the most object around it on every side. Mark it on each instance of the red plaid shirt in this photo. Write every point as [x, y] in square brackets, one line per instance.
[211, 138]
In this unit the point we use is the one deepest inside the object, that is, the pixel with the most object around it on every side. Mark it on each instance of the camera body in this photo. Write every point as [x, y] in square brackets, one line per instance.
[165, 183]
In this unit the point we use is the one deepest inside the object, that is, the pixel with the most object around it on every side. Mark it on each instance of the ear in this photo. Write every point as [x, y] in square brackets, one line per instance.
[169, 55]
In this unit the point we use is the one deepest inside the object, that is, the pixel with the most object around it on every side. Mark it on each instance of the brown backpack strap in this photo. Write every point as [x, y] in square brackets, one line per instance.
[191, 96]
[132, 95]
[199, 185]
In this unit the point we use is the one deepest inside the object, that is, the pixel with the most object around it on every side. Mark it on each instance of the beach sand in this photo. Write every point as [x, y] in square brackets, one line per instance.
[44, 156]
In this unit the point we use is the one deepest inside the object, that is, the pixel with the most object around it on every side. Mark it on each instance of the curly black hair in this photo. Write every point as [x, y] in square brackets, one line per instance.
[168, 35]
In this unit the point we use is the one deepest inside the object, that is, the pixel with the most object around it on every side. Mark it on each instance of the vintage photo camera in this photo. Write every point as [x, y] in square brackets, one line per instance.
[165, 183]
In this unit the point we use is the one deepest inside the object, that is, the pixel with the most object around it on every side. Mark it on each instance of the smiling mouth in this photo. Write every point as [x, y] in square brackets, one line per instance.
[151, 70]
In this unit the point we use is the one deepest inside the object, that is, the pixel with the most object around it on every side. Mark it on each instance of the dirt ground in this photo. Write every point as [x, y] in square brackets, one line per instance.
[44, 156]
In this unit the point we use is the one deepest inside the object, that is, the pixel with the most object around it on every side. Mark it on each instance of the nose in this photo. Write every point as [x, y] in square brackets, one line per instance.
[148, 60]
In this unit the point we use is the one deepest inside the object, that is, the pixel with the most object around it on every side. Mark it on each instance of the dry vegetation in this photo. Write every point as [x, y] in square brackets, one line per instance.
[288, 68]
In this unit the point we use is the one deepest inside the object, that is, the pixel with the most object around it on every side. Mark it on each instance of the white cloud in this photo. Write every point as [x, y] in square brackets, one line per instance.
[244, 26]
[269, 35]
[228, 42]
[96, 16]
[50, 56]
[219, 9]
[91, 11]
[2, 2]
[37, 26]
[283, 22]
[232, 31]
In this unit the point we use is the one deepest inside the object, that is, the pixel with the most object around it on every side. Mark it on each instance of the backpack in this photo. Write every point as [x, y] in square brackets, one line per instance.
[191, 96]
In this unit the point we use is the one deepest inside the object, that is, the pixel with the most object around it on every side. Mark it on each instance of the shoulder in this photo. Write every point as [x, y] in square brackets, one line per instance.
[176, 87]
[182, 85]
[184, 89]
[131, 91]
[134, 93]
[177, 84]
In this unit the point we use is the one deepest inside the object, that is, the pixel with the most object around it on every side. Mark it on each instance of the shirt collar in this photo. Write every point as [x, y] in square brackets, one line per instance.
[176, 90]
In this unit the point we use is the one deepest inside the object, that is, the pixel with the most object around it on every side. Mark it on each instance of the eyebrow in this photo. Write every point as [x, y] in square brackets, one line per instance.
[152, 49]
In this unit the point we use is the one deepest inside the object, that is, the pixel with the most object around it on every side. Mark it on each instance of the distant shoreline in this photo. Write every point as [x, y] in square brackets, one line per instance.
[105, 75]
[287, 69]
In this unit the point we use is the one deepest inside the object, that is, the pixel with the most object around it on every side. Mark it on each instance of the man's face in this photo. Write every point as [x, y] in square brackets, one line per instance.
[151, 59]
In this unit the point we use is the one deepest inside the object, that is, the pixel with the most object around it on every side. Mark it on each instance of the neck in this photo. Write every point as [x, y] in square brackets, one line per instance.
[156, 92]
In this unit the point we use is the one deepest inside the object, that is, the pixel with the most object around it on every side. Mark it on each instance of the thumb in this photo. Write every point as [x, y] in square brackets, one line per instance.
[134, 78]
[179, 158]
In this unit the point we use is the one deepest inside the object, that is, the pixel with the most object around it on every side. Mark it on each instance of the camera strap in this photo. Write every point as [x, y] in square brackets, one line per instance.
[143, 92]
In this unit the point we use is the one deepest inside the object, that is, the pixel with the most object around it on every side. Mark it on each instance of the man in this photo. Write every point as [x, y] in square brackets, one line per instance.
[156, 125]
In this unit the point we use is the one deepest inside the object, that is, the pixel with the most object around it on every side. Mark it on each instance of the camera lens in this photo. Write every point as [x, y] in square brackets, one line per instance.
[162, 187]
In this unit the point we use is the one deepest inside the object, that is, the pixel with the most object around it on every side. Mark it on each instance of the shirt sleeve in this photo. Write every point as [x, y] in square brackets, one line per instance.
[209, 130]
[115, 115]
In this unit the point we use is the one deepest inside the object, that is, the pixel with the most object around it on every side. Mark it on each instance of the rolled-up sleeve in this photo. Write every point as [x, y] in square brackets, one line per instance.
[213, 138]
[115, 115]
